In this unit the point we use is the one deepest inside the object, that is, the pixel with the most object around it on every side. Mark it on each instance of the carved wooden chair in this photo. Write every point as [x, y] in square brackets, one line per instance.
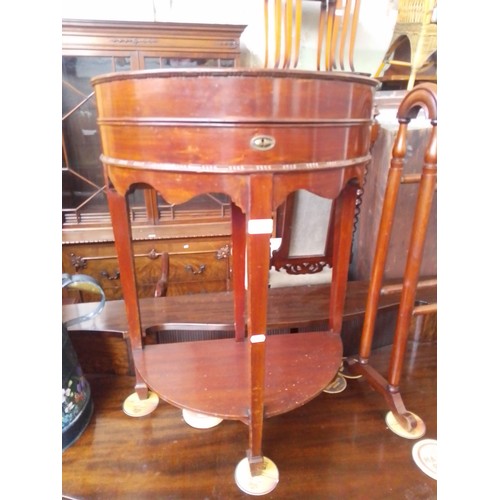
[303, 253]
[300, 260]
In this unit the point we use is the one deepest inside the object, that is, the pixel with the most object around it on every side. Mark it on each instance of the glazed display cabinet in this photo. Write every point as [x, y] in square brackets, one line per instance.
[188, 240]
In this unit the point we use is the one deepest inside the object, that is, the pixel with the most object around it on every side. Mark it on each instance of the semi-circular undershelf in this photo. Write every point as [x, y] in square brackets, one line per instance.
[213, 377]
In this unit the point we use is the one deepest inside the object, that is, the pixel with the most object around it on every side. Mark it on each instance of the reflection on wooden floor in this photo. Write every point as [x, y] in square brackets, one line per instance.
[335, 447]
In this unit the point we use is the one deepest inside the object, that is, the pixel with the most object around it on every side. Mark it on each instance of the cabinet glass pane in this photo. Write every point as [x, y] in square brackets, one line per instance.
[77, 72]
[227, 63]
[179, 62]
[205, 206]
[83, 198]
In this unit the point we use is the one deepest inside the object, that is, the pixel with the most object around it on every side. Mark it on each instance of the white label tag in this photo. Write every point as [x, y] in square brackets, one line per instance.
[260, 226]
[256, 339]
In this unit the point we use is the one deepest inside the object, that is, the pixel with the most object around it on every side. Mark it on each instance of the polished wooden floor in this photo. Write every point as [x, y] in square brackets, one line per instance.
[334, 447]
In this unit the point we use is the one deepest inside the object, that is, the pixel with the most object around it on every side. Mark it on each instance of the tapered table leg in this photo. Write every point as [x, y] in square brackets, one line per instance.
[143, 401]
[257, 472]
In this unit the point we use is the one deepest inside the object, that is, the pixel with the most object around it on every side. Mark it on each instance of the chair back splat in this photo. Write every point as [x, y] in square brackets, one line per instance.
[337, 30]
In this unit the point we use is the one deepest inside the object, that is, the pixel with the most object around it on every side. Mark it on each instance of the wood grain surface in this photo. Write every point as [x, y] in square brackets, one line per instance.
[336, 446]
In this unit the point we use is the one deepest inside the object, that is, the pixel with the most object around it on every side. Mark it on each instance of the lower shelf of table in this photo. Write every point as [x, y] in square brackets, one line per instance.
[213, 376]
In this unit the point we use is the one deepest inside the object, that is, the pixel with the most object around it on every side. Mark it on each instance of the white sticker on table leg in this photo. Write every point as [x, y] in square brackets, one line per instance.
[256, 339]
[260, 226]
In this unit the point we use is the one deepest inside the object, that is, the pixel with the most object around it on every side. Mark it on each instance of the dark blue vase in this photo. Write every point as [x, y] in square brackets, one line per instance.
[77, 405]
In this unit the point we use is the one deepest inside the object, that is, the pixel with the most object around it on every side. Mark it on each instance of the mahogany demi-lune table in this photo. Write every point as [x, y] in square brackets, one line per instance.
[256, 136]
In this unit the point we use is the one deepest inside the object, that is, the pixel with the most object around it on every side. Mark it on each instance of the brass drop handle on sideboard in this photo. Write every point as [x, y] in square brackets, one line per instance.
[188, 268]
[79, 262]
[111, 277]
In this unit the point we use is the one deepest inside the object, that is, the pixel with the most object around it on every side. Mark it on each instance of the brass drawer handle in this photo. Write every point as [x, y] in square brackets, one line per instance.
[192, 269]
[111, 277]
[262, 142]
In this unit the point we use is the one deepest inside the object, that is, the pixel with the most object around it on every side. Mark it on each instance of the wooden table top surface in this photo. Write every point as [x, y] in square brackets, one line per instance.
[297, 306]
